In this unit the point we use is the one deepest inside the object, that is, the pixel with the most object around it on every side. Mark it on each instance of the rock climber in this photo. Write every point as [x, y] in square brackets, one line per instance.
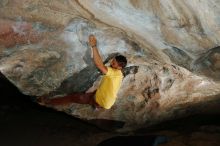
[106, 94]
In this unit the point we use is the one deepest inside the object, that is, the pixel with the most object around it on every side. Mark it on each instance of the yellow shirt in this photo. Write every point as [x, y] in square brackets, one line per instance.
[107, 92]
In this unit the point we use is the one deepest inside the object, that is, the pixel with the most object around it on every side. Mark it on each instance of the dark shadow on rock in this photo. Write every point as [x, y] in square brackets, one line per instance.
[79, 82]
[109, 125]
[147, 140]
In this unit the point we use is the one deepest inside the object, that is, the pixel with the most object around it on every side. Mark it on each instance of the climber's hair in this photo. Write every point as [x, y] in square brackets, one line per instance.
[121, 60]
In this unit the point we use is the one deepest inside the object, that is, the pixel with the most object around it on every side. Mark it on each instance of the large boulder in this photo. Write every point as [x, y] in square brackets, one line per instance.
[171, 46]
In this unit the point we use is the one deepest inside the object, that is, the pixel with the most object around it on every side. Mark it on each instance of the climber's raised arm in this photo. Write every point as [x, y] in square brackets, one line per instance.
[96, 56]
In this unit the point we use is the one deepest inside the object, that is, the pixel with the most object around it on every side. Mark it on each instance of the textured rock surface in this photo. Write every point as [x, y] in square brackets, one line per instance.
[172, 48]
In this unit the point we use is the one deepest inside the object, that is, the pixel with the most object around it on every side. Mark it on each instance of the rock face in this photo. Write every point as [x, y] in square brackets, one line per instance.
[171, 46]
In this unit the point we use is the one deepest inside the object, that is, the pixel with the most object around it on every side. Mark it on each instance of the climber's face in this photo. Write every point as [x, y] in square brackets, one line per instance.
[114, 64]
